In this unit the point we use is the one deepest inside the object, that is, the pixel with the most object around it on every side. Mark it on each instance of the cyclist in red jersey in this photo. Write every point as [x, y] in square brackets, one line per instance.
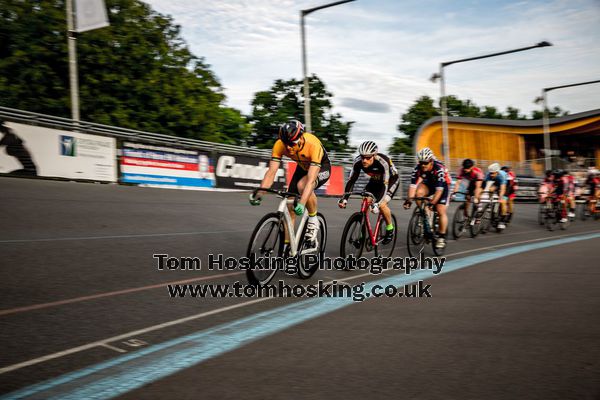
[560, 187]
[593, 183]
[474, 176]
[570, 193]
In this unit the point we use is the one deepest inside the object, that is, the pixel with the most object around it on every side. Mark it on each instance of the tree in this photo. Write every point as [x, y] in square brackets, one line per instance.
[284, 101]
[138, 73]
[552, 113]
[411, 120]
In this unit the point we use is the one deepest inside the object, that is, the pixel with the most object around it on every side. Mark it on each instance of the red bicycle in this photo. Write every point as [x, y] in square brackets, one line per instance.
[556, 212]
[359, 236]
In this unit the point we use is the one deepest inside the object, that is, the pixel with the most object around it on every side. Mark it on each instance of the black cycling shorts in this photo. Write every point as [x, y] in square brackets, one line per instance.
[377, 188]
[300, 173]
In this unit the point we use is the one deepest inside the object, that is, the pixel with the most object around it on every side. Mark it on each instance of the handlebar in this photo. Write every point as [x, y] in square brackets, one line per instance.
[279, 193]
[427, 199]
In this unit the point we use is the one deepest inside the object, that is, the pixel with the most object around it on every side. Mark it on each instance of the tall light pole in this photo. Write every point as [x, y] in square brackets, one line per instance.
[304, 13]
[544, 100]
[74, 83]
[440, 76]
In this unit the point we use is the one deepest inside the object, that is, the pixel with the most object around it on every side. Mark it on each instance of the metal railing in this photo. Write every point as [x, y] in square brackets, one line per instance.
[404, 163]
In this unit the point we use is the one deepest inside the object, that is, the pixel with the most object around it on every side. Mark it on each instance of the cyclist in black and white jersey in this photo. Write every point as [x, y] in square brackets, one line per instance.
[383, 183]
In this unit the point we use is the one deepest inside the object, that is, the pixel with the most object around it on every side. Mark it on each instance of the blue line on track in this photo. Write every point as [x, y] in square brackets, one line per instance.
[131, 371]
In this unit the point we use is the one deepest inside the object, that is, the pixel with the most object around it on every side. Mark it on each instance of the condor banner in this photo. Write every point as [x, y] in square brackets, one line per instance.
[27, 150]
[244, 172]
[165, 167]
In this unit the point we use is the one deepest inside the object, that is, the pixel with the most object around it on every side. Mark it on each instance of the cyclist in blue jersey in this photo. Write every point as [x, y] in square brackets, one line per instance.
[496, 180]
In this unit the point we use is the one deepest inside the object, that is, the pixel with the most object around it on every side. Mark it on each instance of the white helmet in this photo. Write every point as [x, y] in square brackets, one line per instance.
[495, 167]
[367, 148]
[425, 154]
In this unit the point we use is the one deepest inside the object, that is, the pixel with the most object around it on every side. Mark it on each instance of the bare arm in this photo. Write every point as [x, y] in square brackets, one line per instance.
[269, 177]
[313, 172]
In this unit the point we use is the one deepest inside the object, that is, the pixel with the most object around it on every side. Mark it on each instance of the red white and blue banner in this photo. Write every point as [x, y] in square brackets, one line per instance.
[150, 165]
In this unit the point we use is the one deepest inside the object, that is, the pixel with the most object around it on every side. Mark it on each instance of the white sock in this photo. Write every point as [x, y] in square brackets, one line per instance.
[314, 220]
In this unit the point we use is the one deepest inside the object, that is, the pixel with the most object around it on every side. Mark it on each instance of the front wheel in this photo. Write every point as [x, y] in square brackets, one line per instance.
[353, 236]
[267, 240]
[459, 222]
[551, 217]
[307, 265]
[415, 235]
[542, 214]
[436, 223]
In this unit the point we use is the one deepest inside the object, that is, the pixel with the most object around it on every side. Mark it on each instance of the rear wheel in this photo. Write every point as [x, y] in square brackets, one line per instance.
[267, 240]
[386, 250]
[307, 265]
[486, 219]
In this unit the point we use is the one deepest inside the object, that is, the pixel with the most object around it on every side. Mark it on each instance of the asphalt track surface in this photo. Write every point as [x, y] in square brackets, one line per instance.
[82, 305]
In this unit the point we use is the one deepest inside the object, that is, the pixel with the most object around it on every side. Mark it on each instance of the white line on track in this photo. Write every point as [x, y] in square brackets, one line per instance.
[110, 294]
[102, 342]
[133, 236]
[91, 345]
[118, 350]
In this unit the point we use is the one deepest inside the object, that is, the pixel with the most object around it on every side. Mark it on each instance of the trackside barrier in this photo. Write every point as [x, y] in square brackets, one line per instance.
[56, 147]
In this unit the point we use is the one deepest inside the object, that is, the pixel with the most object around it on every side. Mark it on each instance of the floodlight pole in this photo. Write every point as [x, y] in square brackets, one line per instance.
[304, 13]
[440, 76]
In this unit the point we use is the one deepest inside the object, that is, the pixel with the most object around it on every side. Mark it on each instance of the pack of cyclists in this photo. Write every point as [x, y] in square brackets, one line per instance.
[429, 178]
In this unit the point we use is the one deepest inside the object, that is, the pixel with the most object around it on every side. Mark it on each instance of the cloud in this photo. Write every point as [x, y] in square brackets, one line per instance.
[376, 57]
[364, 105]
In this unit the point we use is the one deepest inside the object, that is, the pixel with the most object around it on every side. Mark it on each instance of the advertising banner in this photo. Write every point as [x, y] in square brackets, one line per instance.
[160, 166]
[244, 172]
[28, 150]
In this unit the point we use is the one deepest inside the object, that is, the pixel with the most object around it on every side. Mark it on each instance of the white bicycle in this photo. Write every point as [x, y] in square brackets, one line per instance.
[268, 240]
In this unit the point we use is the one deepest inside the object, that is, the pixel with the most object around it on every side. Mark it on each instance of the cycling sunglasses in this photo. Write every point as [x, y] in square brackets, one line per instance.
[366, 157]
[424, 162]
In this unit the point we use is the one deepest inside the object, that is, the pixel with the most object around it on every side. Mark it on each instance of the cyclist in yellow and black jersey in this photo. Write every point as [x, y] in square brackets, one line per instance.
[313, 170]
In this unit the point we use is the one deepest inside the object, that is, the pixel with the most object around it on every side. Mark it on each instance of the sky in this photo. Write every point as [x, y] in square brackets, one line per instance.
[376, 56]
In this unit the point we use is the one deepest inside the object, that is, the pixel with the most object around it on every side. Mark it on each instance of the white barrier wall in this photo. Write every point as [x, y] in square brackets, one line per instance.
[37, 151]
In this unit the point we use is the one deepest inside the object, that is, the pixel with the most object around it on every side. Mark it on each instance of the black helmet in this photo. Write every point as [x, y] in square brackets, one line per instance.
[506, 168]
[558, 173]
[467, 163]
[291, 131]
[548, 173]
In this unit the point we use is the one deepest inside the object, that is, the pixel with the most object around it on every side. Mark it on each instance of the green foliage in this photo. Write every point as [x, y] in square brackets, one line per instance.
[138, 73]
[423, 109]
[552, 113]
[419, 112]
[285, 100]
[401, 145]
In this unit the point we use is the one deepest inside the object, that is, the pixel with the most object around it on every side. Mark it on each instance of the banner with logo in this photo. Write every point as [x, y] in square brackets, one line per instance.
[28, 150]
[161, 166]
[244, 172]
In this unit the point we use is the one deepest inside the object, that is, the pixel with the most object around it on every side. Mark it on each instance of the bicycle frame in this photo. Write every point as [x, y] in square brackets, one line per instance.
[293, 234]
[364, 209]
